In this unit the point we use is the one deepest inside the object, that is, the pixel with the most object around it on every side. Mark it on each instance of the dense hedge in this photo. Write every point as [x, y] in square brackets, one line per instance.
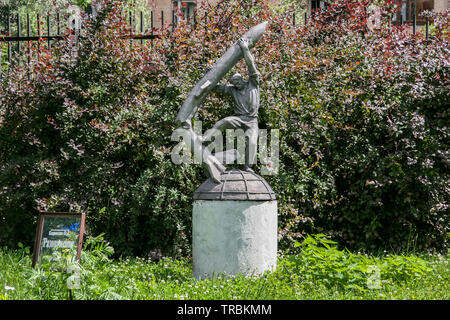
[362, 114]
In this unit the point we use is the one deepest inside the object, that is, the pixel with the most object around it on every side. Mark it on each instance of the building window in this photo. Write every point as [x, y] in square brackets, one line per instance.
[318, 4]
[407, 10]
[185, 10]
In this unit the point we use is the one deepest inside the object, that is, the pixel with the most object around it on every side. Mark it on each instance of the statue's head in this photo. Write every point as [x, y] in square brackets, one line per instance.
[237, 80]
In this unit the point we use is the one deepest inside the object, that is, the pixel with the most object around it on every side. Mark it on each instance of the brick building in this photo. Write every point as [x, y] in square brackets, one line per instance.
[164, 10]
[407, 10]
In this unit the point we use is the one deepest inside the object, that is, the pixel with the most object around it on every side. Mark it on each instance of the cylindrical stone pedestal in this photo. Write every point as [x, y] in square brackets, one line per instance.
[234, 237]
[234, 226]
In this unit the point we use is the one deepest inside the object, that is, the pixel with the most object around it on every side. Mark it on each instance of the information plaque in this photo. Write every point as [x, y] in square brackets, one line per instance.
[57, 231]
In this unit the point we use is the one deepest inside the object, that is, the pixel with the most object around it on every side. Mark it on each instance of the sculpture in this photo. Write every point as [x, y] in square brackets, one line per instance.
[244, 93]
[246, 98]
[234, 215]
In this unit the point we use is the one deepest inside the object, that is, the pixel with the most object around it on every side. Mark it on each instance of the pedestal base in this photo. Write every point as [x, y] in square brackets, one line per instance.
[234, 237]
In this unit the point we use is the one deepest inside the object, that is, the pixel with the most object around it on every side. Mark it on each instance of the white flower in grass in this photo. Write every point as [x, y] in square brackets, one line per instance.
[7, 288]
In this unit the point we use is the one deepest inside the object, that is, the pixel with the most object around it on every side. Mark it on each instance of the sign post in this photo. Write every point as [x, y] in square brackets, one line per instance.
[56, 231]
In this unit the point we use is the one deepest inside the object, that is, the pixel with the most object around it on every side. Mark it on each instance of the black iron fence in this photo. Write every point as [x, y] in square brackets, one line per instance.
[20, 34]
[48, 28]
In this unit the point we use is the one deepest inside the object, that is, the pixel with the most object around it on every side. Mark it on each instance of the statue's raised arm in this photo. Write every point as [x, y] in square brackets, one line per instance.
[253, 74]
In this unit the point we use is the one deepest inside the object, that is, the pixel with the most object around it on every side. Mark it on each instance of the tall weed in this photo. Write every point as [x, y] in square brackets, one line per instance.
[318, 259]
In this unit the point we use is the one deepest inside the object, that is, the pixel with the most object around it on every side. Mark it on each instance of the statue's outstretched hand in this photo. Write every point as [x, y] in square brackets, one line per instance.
[243, 43]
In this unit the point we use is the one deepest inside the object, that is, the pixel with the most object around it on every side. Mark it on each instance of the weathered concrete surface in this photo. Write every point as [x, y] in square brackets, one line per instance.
[234, 237]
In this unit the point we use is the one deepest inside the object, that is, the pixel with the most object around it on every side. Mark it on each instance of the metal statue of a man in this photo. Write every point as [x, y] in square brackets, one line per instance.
[245, 94]
[246, 104]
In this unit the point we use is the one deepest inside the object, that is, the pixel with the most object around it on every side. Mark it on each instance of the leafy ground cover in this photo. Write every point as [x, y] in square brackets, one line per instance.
[315, 270]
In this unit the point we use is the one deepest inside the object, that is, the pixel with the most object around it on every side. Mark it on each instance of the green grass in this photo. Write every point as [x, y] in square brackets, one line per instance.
[316, 269]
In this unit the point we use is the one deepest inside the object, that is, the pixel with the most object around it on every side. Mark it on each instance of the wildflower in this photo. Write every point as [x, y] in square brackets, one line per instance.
[7, 288]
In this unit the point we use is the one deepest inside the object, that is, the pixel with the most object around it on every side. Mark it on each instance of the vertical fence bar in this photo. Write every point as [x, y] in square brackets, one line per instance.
[38, 18]
[28, 25]
[205, 22]
[414, 16]
[18, 41]
[173, 19]
[151, 22]
[9, 43]
[306, 17]
[162, 19]
[48, 31]
[390, 22]
[141, 16]
[131, 29]
[29, 46]
[151, 27]
[426, 28]
[195, 18]
[58, 29]
[293, 19]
